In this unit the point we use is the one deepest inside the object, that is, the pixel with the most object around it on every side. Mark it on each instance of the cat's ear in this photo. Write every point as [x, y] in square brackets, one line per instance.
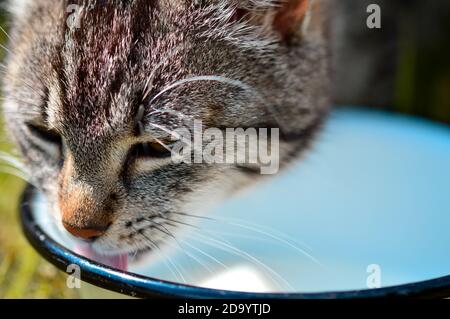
[291, 16]
[286, 17]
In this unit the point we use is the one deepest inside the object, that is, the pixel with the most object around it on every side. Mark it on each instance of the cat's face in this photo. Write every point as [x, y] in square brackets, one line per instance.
[91, 103]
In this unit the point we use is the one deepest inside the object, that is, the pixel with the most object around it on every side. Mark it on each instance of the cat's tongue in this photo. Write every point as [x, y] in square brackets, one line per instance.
[119, 262]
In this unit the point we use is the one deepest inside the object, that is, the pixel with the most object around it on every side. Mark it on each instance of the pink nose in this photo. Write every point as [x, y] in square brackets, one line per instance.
[87, 233]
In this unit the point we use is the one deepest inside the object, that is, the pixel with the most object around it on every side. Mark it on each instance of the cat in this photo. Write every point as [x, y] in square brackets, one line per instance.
[90, 98]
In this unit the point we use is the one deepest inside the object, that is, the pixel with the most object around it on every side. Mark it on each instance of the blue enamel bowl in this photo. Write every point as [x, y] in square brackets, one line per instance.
[366, 214]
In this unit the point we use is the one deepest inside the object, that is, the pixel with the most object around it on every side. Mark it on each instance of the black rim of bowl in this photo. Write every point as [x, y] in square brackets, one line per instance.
[145, 287]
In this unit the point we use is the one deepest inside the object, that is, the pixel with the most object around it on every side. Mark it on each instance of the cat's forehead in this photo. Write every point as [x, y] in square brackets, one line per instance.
[105, 58]
[105, 64]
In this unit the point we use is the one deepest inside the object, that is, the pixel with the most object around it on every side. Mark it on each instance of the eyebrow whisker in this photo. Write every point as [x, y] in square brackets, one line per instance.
[149, 83]
[225, 80]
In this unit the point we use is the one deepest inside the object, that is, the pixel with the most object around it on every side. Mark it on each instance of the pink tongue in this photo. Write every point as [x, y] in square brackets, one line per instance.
[115, 261]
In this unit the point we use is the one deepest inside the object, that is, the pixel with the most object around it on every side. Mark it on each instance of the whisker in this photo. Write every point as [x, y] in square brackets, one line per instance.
[170, 234]
[224, 80]
[172, 268]
[153, 244]
[177, 221]
[149, 83]
[18, 174]
[162, 144]
[177, 269]
[20, 112]
[206, 254]
[174, 271]
[279, 239]
[171, 133]
[8, 158]
[29, 102]
[195, 248]
[12, 171]
[255, 226]
[228, 247]
[191, 215]
[21, 102]
[166, 130]
[156, 224]
[5, 48]
[169, 223]
[30, 85]
[235, 235]
[277, 236]
[172, 112]
[197, 260]
[180, 245]
[6, 33]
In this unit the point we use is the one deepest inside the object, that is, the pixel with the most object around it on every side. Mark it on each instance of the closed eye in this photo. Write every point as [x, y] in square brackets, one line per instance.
[42, 133]
[151, 150]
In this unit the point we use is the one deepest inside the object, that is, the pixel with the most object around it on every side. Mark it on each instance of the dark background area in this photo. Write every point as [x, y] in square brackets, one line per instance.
[404, 66]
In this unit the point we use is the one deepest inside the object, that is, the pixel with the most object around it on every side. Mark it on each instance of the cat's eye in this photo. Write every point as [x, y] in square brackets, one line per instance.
[156, 149]
[48, 141]
[45, 134]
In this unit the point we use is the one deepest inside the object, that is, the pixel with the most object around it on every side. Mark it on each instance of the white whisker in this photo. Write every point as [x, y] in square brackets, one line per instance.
[153, 244]
[162, 128]
[16, 173]
[162, 144]
[169, 111]
[169, 233]
[149, 83]
[277, 238]
[230, 248]
[197, 260]
[265, 231]
[13, 161]
[5, 48]
[225, 80]
[6, 33]
[206, 254]
[170, 265]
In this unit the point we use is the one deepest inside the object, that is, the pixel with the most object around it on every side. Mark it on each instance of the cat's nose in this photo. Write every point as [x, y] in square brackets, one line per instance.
[85, 210]
[86, 233]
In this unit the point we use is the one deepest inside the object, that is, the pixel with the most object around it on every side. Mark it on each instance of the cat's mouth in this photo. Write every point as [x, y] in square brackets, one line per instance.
[120, 261]
[116, 261]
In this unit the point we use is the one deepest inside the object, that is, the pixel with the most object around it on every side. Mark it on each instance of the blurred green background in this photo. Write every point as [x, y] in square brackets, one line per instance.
[406, 68]
[23, 273]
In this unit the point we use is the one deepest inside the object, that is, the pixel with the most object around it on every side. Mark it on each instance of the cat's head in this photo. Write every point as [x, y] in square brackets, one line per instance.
[94, 89]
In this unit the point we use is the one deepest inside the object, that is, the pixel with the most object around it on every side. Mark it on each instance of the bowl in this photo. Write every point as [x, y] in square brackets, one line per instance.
[365, 214]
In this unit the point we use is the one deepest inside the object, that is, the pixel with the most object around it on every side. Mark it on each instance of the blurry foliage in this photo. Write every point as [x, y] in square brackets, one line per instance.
[423, 72]
[23, 273]
[404, 66]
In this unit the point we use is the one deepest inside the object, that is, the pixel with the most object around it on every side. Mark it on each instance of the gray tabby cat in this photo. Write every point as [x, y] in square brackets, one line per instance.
[89, 103]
